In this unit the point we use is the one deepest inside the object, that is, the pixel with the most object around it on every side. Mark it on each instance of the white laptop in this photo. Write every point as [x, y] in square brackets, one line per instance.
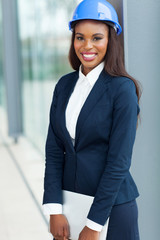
[76, 208]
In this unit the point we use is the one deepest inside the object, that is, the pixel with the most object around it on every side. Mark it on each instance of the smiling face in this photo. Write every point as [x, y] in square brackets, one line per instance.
[90, 43]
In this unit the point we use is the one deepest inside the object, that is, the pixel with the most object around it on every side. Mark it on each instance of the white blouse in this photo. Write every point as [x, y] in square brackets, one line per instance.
[79, 95]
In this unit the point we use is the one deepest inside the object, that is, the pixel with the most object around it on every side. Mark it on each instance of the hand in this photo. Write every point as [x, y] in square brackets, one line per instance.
[59, 227]
[88, 234]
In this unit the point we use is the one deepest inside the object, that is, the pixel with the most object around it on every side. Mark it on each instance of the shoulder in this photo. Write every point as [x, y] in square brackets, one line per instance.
[125, 93]
[66, 79]
[120, 87]
[120, 84]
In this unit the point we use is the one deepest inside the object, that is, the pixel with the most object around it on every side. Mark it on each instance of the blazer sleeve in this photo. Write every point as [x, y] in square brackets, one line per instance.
[54, 152]
[118, 159]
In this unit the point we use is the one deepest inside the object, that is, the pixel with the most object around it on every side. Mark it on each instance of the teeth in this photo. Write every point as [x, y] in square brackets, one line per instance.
[89, 55]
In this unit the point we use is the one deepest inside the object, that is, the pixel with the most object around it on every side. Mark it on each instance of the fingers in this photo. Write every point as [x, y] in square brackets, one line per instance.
[66, 232]
[61, 238]
[61, 233]
[57, 233]
[59, 227]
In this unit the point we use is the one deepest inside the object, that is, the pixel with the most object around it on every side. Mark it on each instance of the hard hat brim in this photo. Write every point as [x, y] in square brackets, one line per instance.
[116, 26]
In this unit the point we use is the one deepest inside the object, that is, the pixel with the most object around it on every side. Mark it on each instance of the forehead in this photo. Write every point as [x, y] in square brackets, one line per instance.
[92, 25]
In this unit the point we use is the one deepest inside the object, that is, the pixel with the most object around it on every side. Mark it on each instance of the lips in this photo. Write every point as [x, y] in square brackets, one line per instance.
[88, 56]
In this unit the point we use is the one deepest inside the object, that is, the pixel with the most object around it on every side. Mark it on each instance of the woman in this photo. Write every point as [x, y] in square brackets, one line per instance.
[93, 120]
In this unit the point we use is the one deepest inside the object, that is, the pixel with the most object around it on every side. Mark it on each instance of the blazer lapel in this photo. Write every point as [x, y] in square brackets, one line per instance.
[66, 95]
[98, 89]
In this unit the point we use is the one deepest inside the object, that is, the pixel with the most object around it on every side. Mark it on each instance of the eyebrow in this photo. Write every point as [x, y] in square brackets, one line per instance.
[93, 34]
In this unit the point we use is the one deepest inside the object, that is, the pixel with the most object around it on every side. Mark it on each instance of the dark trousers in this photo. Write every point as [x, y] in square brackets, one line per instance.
[123, 222]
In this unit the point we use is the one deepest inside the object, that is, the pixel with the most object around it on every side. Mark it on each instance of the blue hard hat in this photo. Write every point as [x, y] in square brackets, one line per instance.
[96, 10]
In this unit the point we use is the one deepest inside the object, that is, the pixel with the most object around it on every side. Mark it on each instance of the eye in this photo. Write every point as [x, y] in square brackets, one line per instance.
[97, 38]
[79, 38]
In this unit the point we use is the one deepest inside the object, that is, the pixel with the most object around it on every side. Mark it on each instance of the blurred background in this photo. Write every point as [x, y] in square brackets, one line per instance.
[34, 44]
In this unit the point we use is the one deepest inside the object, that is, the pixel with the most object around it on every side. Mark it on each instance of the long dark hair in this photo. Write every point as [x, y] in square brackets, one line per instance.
[113, 60]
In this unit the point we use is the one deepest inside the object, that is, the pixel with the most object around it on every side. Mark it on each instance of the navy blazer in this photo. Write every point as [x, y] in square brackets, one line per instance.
[98, 165]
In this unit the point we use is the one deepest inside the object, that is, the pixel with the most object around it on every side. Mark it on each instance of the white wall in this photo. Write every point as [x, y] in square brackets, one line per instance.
[142, 52]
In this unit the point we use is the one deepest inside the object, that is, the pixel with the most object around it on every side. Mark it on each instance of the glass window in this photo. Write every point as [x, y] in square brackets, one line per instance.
[2, 85]
[45, 41]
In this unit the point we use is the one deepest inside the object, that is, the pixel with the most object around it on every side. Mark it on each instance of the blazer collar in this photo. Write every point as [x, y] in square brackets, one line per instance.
[93, 75]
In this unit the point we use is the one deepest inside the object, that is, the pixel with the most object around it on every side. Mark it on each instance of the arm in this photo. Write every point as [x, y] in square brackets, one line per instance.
[118, 160]
[52, 199]
[54, 161]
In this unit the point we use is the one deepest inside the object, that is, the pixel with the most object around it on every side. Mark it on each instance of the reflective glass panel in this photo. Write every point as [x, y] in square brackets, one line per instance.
[2, 85]
[45, 41]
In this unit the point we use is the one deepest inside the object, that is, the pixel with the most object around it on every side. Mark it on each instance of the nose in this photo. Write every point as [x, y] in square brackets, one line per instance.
[88, 44]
